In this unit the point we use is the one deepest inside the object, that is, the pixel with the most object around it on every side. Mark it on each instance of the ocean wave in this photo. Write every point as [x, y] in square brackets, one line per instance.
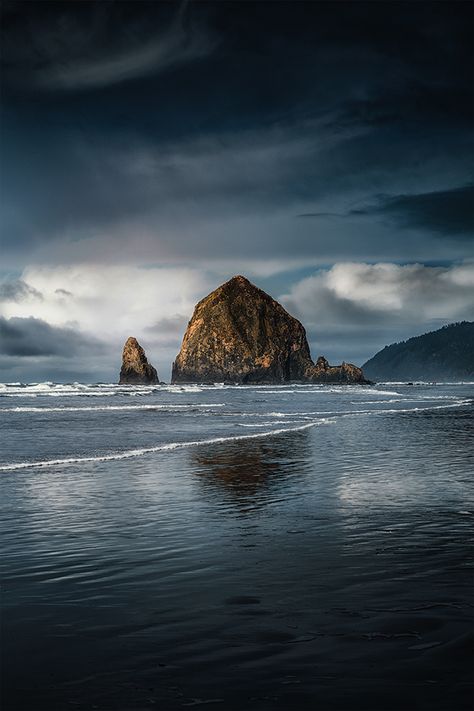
[52, 389]
[334, 414]
[389, 411]
[316, 389]
[49, 388]
[374, 391]
[270, 423]
[435, 383]
[177, 389]
[276, 414]
[420, 398]
[130, 453]
[329, 418]
[108, 408]
[210, 409]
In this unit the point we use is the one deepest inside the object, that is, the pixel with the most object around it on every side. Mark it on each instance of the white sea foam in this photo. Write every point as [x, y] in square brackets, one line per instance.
[420, 398]
[374, 391]
[64, 389]
[348, 413]
[332, 389]
[128, 454]
[270, 423]
[386, 411]
[432, 383]
[177, 389]
[279, 414]
[51, 389]
[108, 408]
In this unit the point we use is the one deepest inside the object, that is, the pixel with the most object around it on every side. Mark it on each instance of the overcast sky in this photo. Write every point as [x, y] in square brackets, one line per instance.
[150, 151]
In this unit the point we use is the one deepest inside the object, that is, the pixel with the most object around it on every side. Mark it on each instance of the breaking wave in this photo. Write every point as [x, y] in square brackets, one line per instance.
[97, 408]
[51, 389]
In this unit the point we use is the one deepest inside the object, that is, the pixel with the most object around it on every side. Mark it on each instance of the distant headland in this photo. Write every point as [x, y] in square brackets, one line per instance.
[445, 354]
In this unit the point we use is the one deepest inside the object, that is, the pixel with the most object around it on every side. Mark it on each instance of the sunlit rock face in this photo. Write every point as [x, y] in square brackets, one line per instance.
[239, 334]
[136, 370]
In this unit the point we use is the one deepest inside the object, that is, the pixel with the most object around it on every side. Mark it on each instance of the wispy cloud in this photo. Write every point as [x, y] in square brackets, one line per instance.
[174, 47]
[87, 46]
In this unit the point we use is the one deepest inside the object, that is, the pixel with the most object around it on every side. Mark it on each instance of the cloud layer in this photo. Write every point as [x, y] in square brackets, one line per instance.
[366, 306]
[87, 306]
[211, 135]
[152, 150]
[83, 314]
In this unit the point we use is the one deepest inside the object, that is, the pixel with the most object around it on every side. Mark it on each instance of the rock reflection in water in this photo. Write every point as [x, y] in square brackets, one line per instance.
[250, 473]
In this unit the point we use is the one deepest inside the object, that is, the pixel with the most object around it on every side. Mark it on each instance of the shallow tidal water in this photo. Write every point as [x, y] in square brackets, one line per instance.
[294, 547]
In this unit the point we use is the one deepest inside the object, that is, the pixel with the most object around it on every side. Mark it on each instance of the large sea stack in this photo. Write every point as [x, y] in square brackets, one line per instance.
[239, 334]
[136, 370]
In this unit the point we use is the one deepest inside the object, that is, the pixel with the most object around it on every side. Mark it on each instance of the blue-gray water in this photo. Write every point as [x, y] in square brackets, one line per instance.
[315, 553]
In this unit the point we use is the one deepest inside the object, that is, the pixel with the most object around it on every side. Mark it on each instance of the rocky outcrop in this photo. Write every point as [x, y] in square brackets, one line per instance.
[239, 334]
[345, 373]
[136, 370]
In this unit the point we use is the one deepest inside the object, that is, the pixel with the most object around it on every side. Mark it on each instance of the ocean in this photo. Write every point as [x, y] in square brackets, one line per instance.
[237, 548]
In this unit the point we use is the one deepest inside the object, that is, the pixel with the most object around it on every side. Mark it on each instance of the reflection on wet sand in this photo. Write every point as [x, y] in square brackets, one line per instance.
[249, 472]
[329, 568]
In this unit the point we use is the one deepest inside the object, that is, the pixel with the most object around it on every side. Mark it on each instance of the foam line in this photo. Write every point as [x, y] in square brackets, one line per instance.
[159, 448]
[459, 403]
[217, 440]
[94, 408]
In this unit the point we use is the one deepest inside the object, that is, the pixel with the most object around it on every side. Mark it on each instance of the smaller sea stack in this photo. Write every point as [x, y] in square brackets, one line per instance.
[136, 370]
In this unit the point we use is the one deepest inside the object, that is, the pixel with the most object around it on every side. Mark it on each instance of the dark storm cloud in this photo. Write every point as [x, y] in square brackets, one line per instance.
[449, 213]
[28, 337]
[132, 130]
[17, 291]
[220, 197]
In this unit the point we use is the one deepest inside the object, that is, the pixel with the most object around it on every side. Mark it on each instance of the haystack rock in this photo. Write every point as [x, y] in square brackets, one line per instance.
[239, 334]
[136, 370]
